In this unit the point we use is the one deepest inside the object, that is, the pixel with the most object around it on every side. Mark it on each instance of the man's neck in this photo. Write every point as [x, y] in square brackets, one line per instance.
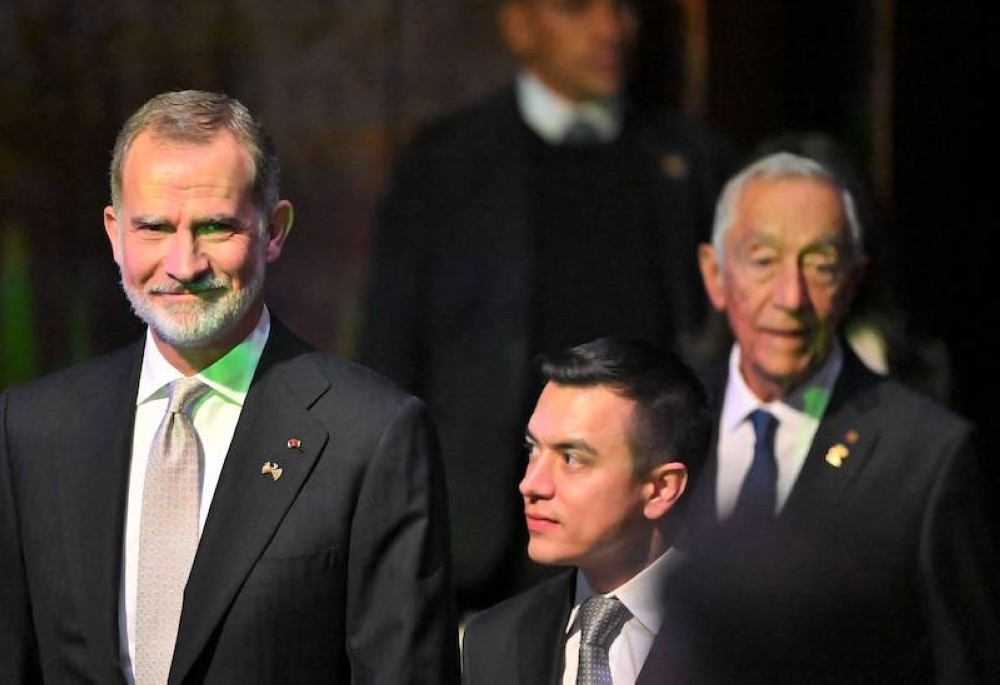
[645, 583]
[190, 361]
[607, 577]
[549, 114]
[809, 395]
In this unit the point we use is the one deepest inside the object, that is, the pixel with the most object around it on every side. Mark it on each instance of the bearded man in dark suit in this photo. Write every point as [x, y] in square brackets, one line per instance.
[285, 523]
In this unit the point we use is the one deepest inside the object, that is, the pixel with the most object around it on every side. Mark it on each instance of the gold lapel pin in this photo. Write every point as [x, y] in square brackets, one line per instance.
[674, 166]
[272, 468]
[294, 444]
[836, 455]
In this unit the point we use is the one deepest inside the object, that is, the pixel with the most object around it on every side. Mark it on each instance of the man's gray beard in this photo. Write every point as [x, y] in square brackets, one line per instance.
[200, 324]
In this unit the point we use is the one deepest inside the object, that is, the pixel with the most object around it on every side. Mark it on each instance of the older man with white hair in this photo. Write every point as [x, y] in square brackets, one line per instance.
[843, 521]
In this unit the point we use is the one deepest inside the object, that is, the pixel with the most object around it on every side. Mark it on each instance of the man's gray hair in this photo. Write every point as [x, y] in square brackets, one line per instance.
[196, 116]
[781, 165]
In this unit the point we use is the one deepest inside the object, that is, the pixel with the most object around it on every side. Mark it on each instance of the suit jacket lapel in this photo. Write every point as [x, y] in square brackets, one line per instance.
[93, 482]
[248, 505]
[542, 633]
[843, 427]
[843, 443]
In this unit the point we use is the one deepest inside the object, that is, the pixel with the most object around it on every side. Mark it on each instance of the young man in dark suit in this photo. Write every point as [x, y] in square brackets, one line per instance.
[219, 502]
[548, 214]
[843, 520]
[618, 434]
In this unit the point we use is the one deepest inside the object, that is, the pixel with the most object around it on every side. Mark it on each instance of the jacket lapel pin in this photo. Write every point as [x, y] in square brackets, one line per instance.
[836, 455]
[272, 468]
[294, 444]
[674, 166]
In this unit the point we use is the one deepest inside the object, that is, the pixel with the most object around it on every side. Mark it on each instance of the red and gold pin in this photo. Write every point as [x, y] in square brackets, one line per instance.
[836, 455]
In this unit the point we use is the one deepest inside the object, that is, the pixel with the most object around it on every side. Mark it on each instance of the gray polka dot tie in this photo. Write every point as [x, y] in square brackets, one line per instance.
[168, 532]
[601, 619]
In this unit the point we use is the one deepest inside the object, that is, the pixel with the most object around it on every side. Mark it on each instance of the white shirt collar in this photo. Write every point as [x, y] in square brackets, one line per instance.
[230, 376]
[807, 401]
[550, 115]
[641, 594]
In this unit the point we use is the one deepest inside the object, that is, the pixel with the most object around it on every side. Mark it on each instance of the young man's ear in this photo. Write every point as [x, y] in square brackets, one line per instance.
[665, 485]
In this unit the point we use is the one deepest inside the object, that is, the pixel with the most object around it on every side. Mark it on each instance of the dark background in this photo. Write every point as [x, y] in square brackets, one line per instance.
[343, 85]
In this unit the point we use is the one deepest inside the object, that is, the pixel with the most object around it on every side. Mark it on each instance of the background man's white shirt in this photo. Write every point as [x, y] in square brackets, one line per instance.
[550, 115]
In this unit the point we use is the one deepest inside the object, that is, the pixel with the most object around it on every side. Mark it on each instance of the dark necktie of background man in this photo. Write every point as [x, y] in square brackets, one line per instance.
[758, 496]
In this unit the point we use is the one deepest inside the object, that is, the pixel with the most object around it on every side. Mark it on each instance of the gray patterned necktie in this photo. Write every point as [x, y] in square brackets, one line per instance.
[601, 619]
[168, 532]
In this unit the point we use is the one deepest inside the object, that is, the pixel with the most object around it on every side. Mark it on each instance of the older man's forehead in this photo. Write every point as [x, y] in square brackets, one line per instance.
[796, 207]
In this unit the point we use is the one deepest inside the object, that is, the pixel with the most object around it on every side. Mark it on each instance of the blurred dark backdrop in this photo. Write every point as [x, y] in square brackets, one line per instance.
[342, 86]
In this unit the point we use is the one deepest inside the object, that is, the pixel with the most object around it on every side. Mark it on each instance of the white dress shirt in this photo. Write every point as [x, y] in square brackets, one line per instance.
[642, 596]
[798, 417]
[550, 115]
[214, 417]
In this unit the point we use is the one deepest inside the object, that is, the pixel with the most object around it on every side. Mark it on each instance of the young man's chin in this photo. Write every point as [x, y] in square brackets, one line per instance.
[542, 554]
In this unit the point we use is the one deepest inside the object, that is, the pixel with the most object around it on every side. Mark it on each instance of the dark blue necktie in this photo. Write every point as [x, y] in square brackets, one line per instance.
[756, 503]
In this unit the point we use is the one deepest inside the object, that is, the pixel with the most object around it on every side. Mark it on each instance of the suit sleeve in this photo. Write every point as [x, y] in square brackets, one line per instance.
[960, 568]
[400, 617]
[18, 650]
[469, 649]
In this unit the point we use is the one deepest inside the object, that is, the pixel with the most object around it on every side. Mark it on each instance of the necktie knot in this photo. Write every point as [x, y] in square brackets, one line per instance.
[601, 619]
[581, 132]
[757, 500]
[183, 393]
[764, 425]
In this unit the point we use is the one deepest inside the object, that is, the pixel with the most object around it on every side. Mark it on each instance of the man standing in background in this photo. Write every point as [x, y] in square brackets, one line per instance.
[547, 215]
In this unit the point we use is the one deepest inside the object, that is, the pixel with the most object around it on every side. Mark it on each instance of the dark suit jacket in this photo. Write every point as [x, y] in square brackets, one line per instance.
[522, 640]
[884, 569]
[452, 300]
[336, 573]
